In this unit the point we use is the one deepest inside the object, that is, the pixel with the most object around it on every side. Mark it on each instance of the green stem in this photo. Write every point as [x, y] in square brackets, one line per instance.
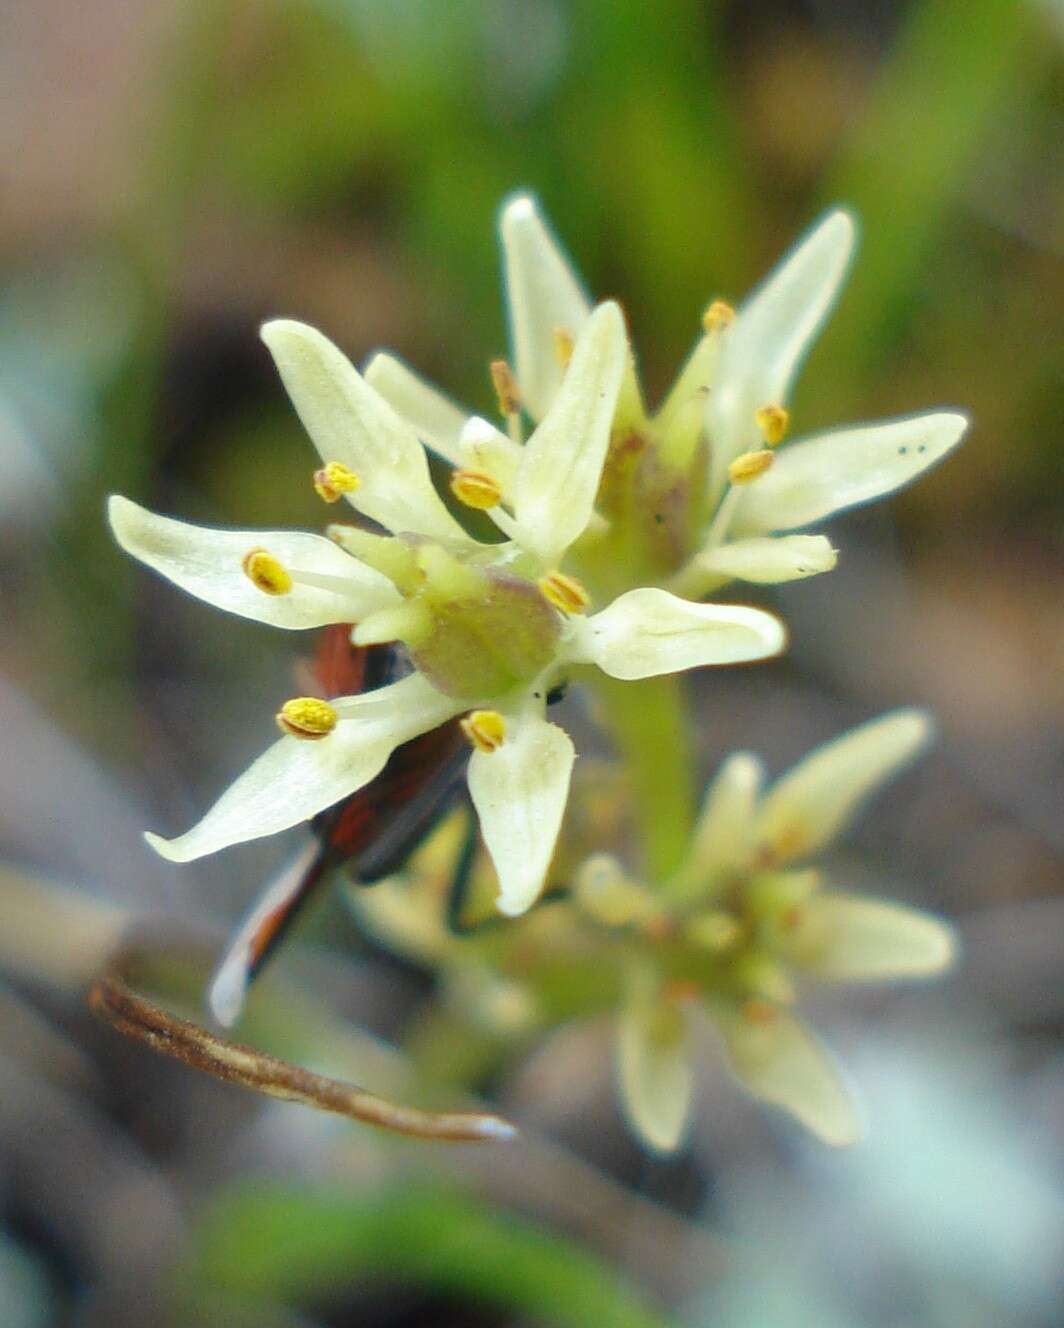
[650, 728]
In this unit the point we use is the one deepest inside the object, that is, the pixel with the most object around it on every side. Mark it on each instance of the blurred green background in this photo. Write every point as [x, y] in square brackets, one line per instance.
[175, 172]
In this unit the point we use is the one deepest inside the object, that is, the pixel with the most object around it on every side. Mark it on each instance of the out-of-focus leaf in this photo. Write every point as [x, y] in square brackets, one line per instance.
[275, 1242]
[957, 67]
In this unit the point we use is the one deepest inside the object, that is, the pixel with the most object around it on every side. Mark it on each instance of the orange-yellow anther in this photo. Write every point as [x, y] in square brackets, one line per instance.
[265, 572]
[717, 316]
[333, 480]
[773, 422]
[476, 488]
[747, 467]
[307, 717]
[564, 592]
[563, 347]
[485, 729]
[505, 384]
[757, 1011]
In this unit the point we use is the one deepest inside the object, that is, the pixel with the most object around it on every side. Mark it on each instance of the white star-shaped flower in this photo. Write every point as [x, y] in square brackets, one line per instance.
[728, 404]
[490, 628]
[758, 919]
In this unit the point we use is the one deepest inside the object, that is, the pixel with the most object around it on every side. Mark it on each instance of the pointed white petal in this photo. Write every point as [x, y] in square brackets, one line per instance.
[846, 937]
[520, 791]
[654, 1071]
[778, 1060]
[349, 422]
[554, 493]
[209, 564]
[647, 631]
[807, 807]
[810, 480]
[723, 834]
[436, 419]
[295, 779]
[544, 295]
[765, 345]
[769, 560]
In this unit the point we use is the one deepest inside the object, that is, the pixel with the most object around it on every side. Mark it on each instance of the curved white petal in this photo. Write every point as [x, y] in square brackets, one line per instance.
[765, 345]
[849, 938]
[646, 632]
[776, 1058]
[295, 779]
[554, 492]
[808, 806]
[544, 295]
[436, 419]
[520, 791]
[209, 564]
[723, 834]
[770, 559]
[349, 422]
[810, 480]
[654, 1071]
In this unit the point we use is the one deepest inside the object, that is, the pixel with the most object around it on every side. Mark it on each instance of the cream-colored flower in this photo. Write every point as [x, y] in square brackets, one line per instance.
[728, 400]
[489, 628]
[743, 918]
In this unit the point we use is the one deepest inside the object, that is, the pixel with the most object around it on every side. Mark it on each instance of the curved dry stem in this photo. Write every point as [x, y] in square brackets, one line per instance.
[111, 998]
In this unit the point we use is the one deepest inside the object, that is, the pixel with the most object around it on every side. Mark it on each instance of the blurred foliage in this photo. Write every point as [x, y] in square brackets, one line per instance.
[280, 1244]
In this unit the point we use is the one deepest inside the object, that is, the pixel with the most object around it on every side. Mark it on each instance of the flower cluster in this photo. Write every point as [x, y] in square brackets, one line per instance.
[613, 525]
[489, 628]
[700, 492]
[728, 935]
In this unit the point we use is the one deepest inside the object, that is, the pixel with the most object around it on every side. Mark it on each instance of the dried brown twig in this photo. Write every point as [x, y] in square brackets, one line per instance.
[111, 998]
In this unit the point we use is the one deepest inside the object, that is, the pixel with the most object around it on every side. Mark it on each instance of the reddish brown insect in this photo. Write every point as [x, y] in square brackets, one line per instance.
[370, 833]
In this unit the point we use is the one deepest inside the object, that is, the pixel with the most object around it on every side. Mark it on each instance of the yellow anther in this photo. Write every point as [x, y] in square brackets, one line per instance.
[476, 488]
[717, 316]
[773, 422]
[333, 480]
[264, 571]
[485, 729]
[747, 467]
[759, 1012]
[307, 717]
[563, 347]
[716, 931]
[564, 592]
[502, 377]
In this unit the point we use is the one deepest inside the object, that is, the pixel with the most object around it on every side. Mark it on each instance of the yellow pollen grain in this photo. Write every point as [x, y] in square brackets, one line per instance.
[485, 729]
[333, 480]
[563, 347]
[505, 384]
[747, 467]
[773, 422]
[564, 592]
[307, 717]
[266, 573]
[718, 316]
[476, 488]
